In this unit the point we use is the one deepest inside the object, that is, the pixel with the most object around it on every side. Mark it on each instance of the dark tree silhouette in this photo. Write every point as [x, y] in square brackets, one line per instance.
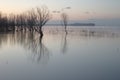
[22, 21]
[31, 19]
[3, 22]
[11, 21]
[64, 17]
[43, 16]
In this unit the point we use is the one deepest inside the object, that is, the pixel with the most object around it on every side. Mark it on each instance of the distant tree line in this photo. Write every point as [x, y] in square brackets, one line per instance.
[32, 20]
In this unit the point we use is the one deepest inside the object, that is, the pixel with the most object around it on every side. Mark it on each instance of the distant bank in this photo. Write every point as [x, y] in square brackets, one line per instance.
[74, 24]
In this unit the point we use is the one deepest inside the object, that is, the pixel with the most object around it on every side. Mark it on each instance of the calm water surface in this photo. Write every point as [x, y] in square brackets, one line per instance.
[82, 54]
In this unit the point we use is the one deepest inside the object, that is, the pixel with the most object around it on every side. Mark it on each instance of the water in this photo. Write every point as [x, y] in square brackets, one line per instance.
[82, 54]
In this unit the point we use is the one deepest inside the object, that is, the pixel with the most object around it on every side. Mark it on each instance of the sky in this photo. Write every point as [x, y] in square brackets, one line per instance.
[76, 9]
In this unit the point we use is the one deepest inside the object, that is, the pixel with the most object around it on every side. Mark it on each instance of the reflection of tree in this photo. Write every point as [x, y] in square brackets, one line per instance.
[3, 38]
[30, 42]
[64, 44]
[38, 51]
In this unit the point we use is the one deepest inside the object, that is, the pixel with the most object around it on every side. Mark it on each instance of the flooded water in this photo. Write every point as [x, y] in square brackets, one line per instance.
[82, 54]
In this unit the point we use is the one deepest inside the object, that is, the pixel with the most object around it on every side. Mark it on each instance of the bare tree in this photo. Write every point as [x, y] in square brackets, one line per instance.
[34, 19]
[3, 22]
[11, 21]
[64, 17]
[18, 22]
[31, 19]
[23, 19]
[43, 16]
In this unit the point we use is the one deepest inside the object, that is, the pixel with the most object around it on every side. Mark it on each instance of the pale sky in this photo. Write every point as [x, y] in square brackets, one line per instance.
[80, 9]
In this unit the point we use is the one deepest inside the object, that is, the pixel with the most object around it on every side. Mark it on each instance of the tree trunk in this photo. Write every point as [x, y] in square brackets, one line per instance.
[41, 32]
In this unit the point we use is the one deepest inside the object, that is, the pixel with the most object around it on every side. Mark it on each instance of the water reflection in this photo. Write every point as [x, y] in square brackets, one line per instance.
[83, 54]
[64, 44]
[31, 42]
[85, 32]
[36, 49]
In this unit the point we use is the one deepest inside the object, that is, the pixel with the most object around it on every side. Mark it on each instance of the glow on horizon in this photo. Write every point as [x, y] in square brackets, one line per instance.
[80, 9]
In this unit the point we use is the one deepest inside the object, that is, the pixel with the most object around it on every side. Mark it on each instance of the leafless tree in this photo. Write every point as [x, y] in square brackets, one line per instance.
[43, 16]
[11, 21]
[22, 21]
[31, 19]
[34, 19]
[64, 17]
[3, 22]
[18, 22]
